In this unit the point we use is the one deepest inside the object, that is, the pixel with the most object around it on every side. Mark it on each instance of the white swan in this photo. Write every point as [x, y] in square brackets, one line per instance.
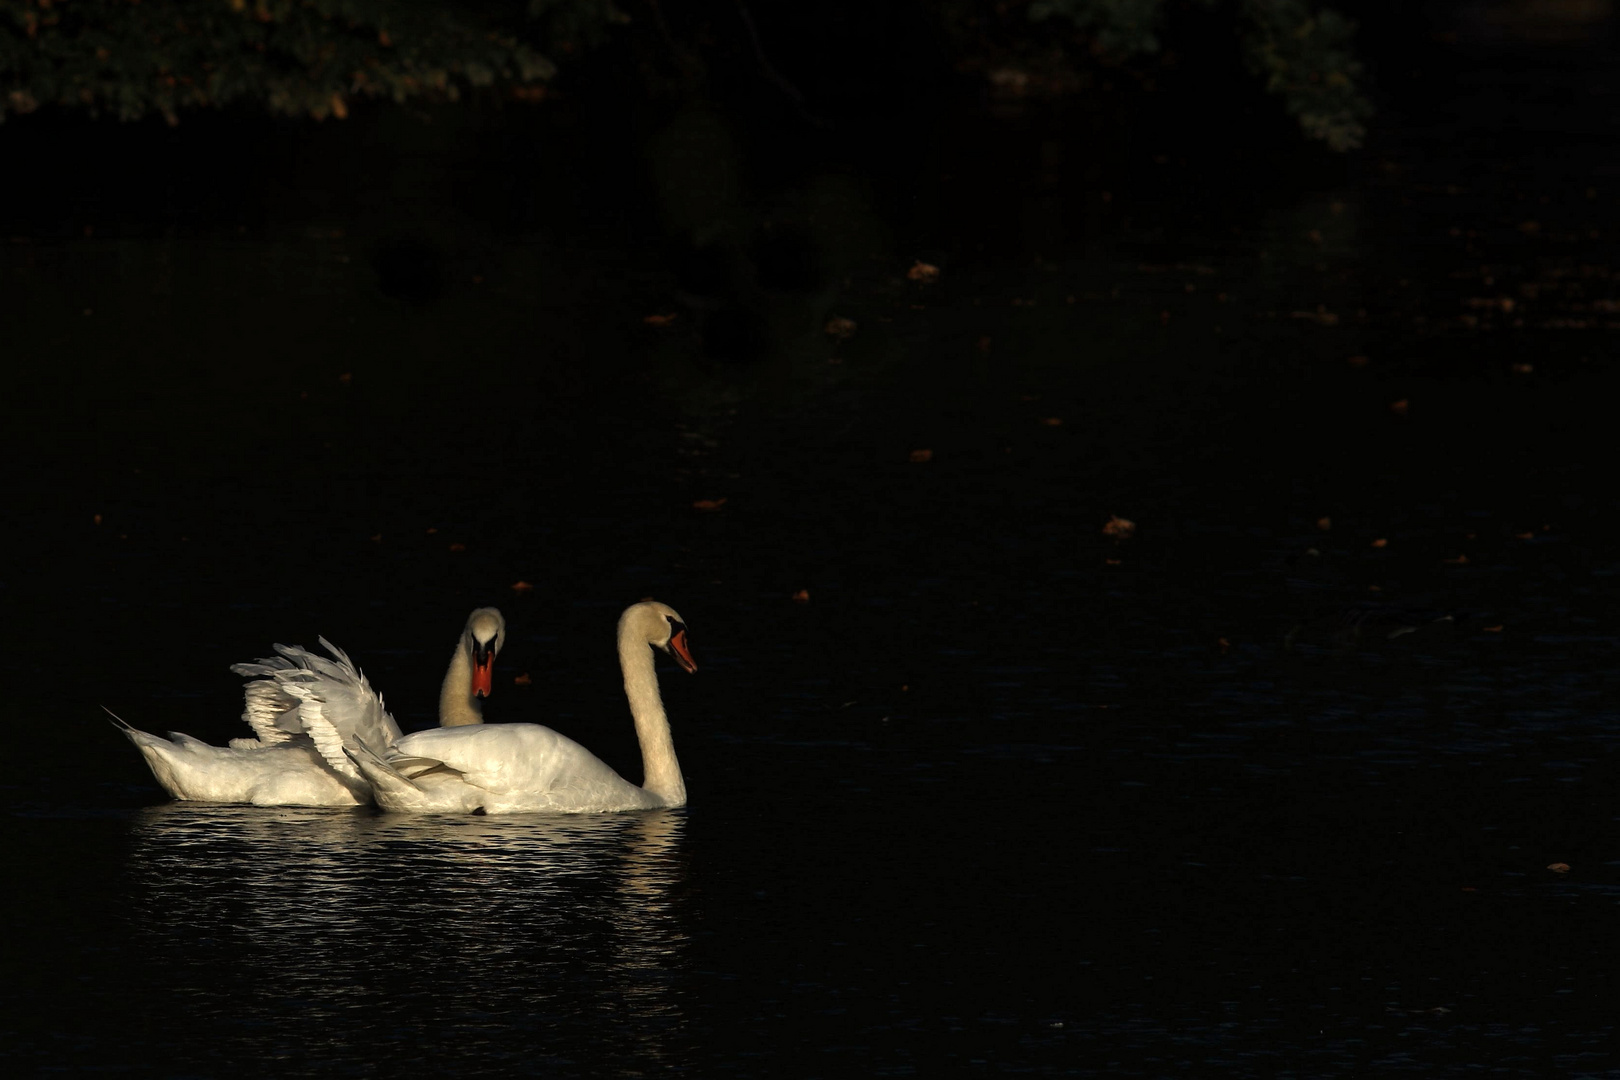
[471, 670]
[296, 700]
[504, 768]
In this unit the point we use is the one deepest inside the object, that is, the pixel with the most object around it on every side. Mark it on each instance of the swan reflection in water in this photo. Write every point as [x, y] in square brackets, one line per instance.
[306, 930]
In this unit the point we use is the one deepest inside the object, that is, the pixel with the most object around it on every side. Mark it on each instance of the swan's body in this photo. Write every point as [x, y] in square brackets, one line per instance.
[292, 774]
[508, 768]
[301, 708]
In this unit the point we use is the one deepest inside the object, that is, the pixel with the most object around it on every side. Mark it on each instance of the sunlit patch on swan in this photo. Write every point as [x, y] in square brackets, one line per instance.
[511, 768]
[301, 707]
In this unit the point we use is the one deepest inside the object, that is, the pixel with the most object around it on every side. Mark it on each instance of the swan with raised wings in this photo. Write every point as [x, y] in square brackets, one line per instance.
[293, 702]
[506, 768]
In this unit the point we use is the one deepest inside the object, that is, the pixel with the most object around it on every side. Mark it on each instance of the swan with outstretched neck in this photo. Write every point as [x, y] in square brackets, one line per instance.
[507, 768]
[294, 701]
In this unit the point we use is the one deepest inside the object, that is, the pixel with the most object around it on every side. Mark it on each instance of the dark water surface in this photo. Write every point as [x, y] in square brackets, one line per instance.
[1313, 775]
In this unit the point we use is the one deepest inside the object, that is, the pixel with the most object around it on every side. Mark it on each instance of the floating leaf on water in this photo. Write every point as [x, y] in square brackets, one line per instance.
[1497, 629]
[1052, 421]
[920, 456]
[522, 680]
[1523, 368]
[98, 519]
[659, 320]
[1401, 407]
[927, 273]
[709, 504]
[1559, 867]
[1321, 316]
[802, 596]
[1358, 361]
[1119, 528]
[458, 547]
[1456, 560]
[840, 327]
[1380, 542]
[1324, 523]
[521, 587]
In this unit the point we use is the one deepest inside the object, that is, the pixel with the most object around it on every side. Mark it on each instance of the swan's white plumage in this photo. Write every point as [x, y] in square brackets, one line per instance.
[498, 768]
[505, 768]
[468, 677]
[302, 708]
[284, 774]
[272, 714]
[316, 686]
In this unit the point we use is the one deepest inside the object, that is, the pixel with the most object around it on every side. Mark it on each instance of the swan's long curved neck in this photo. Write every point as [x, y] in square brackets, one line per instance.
[661, 770]
[457, 705]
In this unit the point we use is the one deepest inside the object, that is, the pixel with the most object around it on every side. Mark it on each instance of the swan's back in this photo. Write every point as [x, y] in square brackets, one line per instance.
[527, 767]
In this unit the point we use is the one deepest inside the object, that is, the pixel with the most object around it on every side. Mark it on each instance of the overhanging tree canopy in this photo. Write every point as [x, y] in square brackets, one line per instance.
[134, 58]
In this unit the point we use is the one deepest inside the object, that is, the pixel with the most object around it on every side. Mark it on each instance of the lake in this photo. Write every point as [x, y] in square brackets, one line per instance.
[1308, 771]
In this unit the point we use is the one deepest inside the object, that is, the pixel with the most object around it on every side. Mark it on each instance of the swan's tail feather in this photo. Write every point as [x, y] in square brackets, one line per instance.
[144, 740]
[134, 734]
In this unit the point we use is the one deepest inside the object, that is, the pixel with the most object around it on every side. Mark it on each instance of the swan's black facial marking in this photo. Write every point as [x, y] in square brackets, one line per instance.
[483, 677]
[678, 646]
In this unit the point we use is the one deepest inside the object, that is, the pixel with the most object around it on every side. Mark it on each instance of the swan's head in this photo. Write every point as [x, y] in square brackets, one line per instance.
[483, 638]
[660, 626]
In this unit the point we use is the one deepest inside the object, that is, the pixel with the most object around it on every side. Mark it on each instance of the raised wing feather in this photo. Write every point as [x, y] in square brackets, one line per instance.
[307, 688]
[271, 712]
[328, 742]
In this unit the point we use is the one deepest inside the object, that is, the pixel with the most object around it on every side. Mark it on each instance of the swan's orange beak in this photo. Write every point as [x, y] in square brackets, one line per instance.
[484, 674]
[681, 651]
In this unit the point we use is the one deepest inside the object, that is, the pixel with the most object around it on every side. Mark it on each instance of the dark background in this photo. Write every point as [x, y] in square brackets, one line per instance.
[1003, 792]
